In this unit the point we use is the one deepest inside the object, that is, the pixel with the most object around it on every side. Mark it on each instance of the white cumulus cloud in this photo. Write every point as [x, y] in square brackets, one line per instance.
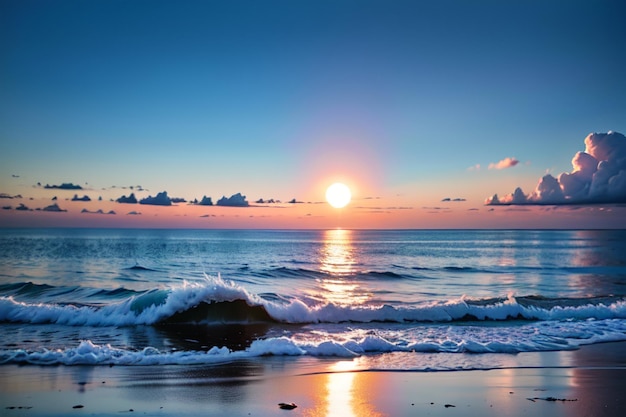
[598, 176]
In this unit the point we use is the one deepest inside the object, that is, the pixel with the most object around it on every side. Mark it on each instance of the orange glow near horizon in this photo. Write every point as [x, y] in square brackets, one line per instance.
[369, 209]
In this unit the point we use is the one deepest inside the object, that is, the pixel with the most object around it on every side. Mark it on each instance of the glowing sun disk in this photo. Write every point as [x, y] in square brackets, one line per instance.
[338, 195]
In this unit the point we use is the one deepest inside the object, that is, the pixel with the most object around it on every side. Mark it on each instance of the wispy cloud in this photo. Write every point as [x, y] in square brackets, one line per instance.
[64, 186]
[503, 164]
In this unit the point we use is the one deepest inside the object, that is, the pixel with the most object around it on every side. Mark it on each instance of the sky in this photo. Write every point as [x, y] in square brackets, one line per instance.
[425, 109]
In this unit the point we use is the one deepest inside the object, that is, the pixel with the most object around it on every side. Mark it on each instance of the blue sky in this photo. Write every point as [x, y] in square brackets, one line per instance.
[274, 98]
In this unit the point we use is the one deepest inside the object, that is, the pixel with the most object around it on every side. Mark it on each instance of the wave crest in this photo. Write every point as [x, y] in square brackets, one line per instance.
[217, 301]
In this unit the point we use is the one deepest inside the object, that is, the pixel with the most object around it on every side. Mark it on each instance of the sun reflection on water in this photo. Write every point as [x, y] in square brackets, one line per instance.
[338, 259]
[337, 256]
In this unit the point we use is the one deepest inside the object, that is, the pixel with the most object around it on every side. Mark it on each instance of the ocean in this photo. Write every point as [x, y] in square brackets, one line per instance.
[418, 300]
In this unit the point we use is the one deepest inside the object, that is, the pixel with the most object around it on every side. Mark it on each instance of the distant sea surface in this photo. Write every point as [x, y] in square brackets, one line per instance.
[185, 297]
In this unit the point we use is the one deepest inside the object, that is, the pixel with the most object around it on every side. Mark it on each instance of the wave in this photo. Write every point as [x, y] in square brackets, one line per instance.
[412, 272]
[24, 288]
[188, 300]
[285, 272]
[51, 294]
[459, 268]
[138, 267]
[348, 343]
[217, 301]
[383, 275]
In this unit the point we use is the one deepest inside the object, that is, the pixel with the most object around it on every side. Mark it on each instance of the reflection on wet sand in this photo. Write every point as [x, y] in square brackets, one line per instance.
[343, 393]
[588, 382]
[339, 387]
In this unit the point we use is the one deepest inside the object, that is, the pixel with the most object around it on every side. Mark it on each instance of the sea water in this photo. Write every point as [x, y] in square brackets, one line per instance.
[402, 299]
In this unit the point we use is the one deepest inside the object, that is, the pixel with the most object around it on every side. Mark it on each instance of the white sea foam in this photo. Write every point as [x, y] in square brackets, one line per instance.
[345, 341]
[158, 305]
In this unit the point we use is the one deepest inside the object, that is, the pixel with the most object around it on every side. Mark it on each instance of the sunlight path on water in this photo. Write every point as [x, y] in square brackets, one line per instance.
[338, 259]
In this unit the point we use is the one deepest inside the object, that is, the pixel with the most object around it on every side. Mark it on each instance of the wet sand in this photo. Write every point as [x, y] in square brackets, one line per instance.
[586, 382]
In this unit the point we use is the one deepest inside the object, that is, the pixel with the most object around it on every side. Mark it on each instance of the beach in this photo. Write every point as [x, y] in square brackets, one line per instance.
[585, 382]
[329, 323]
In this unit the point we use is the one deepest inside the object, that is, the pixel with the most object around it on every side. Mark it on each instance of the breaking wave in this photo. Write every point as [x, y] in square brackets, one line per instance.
[217, 301]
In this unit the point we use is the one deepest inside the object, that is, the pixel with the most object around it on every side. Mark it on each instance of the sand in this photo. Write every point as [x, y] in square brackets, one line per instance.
[586, 382]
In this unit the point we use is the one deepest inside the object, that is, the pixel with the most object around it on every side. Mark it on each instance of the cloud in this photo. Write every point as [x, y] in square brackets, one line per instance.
[270, 201]
[133, 213]
[598, 176]
[22, 207]
[54, 208]
[64, 186]
[161, 199]
[206, 201]
[100, 211]
[456, 200]
[505, 163]
[83, 198]
[436, 208]
[5, 195]
[131, 199]
[235, 200]
[131, 187]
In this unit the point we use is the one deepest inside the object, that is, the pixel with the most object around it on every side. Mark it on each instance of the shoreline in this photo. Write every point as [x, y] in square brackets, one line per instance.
[585, 382]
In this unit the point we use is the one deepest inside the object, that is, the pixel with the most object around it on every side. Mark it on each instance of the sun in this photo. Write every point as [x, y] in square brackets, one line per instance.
[338, 195]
